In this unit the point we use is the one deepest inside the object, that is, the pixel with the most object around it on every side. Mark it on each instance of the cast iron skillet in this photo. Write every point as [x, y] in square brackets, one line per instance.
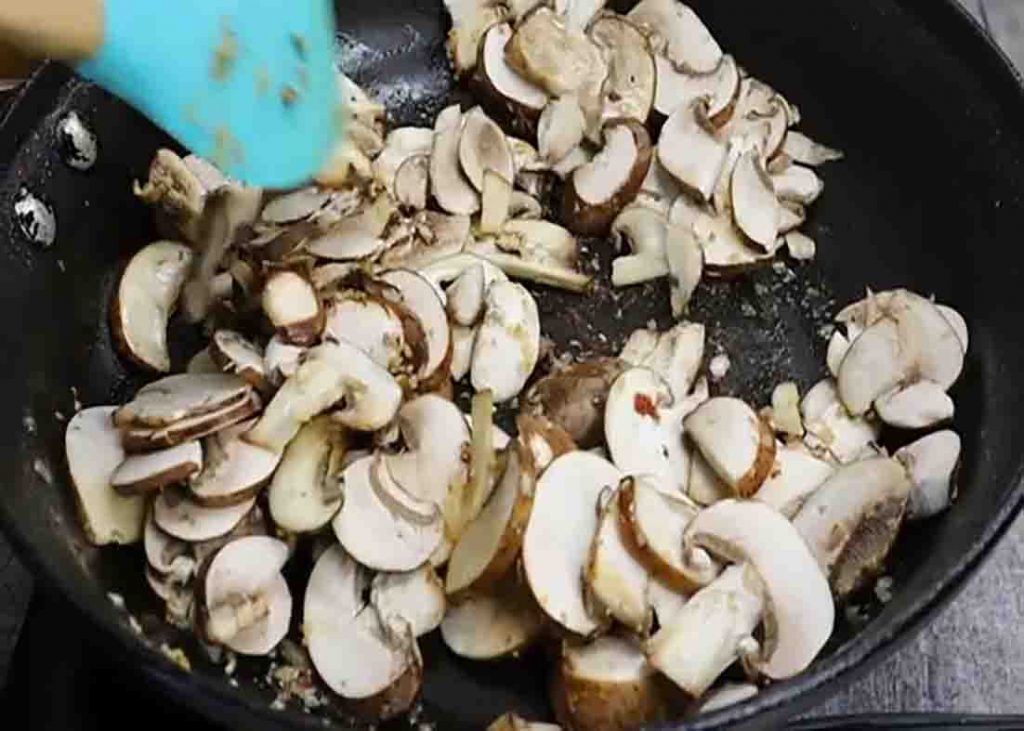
[932, 120]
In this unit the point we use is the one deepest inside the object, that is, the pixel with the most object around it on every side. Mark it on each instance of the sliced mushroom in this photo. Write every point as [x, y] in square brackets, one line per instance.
[659, 188]
[281, 359]
[643, 230]
[598, 190]
[653, 522]
[675, 354]
[574, 398]
[145, 439]
[800, 148]
[685, 265]
[677, 88]
[93, 449]
[850, 522]
[795, 476]
[799, 613]
[144, 473]
[628, 89]
[838, 344]
[496, 202]
[295, 206]
[690, 151]
[414, 598]
[420, 297]
[830, 428]
[791, 217]
[578, 156]
[482, 146]
[174, 398]
[202, 362]
[448, 184]
[545, 440]
[705, 487]
[401, 145]
[734, 441]
[165, 554]
[305, 492]
[233, 353]
[560, 128]
[501, 85]
[146, 297]
[606, 685]
[705, 636]
[358, 657]
[376, 535]
[524, 206]
[675, 31]
[512, 722]
[491, 542]
[371, 324]
[616, 579]
[508, 342]
[176, 190]
[177, 514]
[293, 308]
[466, 296]
[412, 182]
[931, 464]
[233, 470]
[463, 340]
[426, 238]
[555, 552]
[754, 206]
[331, 373]
[247, 601]
[470, 21]
[356, 236]
[797, 184]
[551, 56]
[489, 625]
[664, 601]
[800, 246]
[957, 322]
[644, 429]
[918, 406]
[724, 247]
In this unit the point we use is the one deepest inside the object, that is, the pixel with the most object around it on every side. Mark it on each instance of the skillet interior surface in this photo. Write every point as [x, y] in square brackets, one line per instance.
[929, 196]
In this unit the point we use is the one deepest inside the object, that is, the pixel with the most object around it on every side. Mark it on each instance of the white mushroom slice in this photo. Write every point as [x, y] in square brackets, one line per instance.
[724, 246]
[177, 191]
[295, 206]
[918, 406]
[412, 182]
[420, 297]
[628, 89]
[463, 339]
[502, 81]
[470, 20]
[785, 410]
[281, 359]
[466, 296]
[401, 144]
[799, 612]
[435, 434]
[482, 146]
[664, 601]
[491, 541]
[512, 722]
[830, 428]
[202, 362]
[143, 473]
[546, 272]
[599, 189]
[560, 128]
[291, 304]
[540, 241]
[357, 236]
[174, 398]
[927, 333]
[931, 463]
[355, 654]
[377, 536]
[653, 522]
[494, 624]
[791, 217]
[448, 184]
[675, 354]
[659, 188]
[167, 555]
[677, 88]
[754, 206]
[838, 344]
[233, 470]
[305, 492]
[675, 31]
[704, 637]
[178, 515]
[93, 449]
[643, 230]
[415, 598]
[800, 246]
[798, 184]
[800, 148]
[233, 353]
[690, 151]
[580, 155]
[555, 552]
[554, 58]
[851, 520]
[496, 200]
[508, 342]
[685, 265]
[875, 363]
[524, 206]
[705, 487]
[734, 441]
[728, 694]
[146, 439]
[605, 685]
[957, 322]
[331, 373]
[370, 324]
[449, 268]
[644, 430]
[614, 576]
[146, 296]
[248, 604]
[795, 475]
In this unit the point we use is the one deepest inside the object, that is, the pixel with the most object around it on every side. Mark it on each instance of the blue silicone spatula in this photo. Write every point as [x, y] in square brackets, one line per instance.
[248, 84]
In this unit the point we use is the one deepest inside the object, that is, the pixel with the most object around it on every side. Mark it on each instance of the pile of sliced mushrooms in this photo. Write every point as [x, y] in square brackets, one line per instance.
[644, 526]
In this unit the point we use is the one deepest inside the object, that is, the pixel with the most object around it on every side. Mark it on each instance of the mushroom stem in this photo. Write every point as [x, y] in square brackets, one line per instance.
[228, 619]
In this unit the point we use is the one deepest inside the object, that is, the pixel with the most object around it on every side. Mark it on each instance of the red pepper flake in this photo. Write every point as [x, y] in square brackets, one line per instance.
[645, 406]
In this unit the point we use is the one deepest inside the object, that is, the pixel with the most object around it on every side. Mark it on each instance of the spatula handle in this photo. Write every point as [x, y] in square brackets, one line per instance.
[70, 30]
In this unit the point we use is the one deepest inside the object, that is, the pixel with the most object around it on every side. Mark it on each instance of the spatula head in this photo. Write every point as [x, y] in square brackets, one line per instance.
[248, 84]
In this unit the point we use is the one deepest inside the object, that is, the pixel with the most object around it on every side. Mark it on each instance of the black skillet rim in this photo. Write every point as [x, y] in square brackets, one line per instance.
[219, 702]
